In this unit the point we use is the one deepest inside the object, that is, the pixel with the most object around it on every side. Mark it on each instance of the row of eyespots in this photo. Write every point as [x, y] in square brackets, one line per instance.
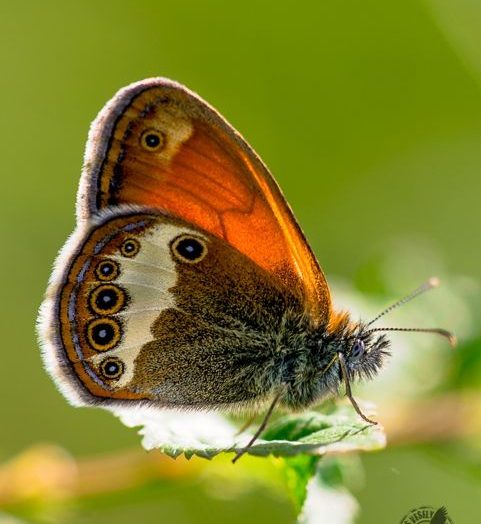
[105, 333]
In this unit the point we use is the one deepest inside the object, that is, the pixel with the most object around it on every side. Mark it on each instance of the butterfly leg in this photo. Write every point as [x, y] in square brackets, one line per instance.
[260, 429]
[345, 376]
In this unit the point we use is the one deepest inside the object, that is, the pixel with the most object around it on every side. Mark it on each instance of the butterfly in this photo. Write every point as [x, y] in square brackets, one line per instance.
[187, 282]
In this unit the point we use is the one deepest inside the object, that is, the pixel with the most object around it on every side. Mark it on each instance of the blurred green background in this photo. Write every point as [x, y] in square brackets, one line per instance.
[368, 114]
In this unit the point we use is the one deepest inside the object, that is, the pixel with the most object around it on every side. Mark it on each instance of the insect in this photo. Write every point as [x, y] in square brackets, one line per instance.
[188, 282]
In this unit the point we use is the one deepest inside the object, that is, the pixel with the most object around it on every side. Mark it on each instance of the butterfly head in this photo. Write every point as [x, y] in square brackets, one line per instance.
[359, 349]
[363, 352]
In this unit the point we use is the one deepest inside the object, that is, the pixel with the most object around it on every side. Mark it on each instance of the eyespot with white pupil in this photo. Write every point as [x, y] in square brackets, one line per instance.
[107, 270]
[130, 247]
[358, 350]
[152, 140]
[103, 334]
[189, 249]
[112, 368]
[107, 299]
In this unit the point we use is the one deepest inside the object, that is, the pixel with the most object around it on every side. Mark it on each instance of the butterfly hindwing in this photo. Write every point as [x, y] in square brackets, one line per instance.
[148, 307]
[160, 145]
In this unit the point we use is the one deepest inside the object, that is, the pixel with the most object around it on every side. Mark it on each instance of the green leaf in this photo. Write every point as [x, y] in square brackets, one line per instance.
[297, 472]
[208, 434]
[321, 485]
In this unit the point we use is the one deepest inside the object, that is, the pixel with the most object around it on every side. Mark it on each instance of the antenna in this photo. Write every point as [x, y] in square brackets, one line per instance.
[430, 284]
[438, 331]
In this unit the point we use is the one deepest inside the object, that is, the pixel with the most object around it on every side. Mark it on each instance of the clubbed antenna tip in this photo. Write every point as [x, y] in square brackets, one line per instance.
[437, 331]
[429, 284]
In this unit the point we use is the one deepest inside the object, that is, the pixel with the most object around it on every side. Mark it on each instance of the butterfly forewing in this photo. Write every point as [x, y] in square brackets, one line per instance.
[158, 144]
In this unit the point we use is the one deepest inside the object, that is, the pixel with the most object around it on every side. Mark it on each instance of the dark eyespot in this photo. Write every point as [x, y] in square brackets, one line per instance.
[112, 368]
[107, 299]
[103, 334]
[107, 270]
[152, 140]
[130, 247]
[358, 350]
[189, 249]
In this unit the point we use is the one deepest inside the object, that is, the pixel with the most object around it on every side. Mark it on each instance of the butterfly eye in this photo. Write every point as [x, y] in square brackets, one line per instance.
[152, 140]
[107, 299]
[107, 270]
[130, 247]
[189, 249]
[112, 368]
[103, 334]
[357, 350]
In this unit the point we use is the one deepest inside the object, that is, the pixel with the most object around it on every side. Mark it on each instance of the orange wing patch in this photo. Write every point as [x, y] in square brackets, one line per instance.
[158, 144]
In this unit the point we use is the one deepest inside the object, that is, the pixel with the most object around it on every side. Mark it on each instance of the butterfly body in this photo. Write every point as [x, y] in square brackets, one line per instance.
[188, 282]
[235, 339]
